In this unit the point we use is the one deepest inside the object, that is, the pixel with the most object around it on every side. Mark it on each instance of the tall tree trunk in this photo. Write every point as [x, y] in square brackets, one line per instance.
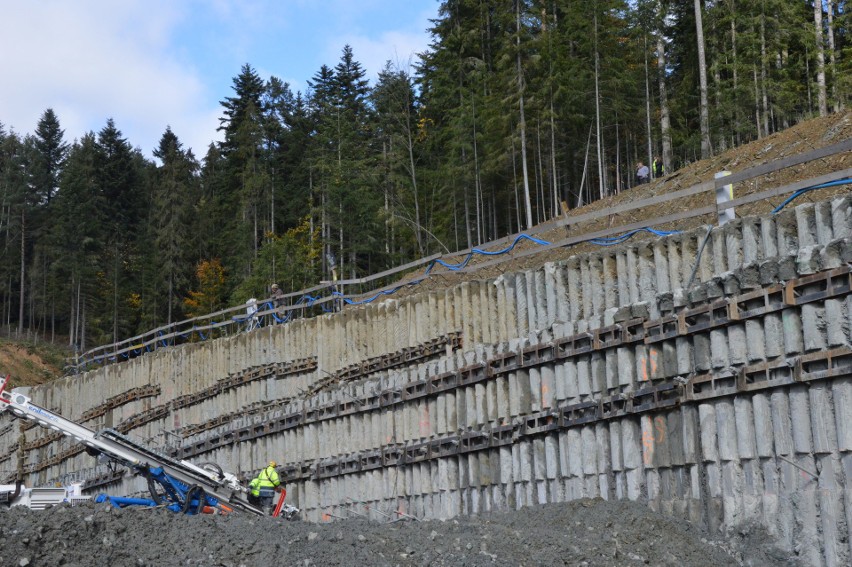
[340, 240]
[418, 231]
[617, 158]
[515, 183]
[757, 104]
[83, 327]
[72, 323]
[763, 74]
[477, 184]
[272, 201]
[466, 194]
[456, 222]
[820, 58]
[80, 334]
[23, 274]
[665, 116]
[385, 198]
[722, 144]
[523, 123]
[598, 130]
[8, 310]
[325, 230]
[171, 293]
[706, 149]
[542, 179]
[553, 175]
[836, 103]
[115, 296]
[562, 190]
[648, 111]
[734, 76]
[44, 295]
[585, 169]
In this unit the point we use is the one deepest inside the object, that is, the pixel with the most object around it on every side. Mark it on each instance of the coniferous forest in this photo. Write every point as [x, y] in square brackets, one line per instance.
[516, 106]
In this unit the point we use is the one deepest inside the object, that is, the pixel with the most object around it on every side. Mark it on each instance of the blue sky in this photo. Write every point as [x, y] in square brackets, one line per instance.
[152, 63]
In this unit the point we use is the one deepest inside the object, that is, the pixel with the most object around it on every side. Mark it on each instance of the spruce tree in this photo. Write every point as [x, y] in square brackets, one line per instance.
[174, 209]
[78, 224]
[238, 206]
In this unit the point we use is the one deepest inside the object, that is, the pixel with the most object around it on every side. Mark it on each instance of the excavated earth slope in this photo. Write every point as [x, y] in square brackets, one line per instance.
[582, 532]
[800, 139]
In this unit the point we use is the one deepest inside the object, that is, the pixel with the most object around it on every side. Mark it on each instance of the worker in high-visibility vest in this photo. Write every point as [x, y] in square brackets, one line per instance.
[254, 492]
[266, 483]
[657, 168]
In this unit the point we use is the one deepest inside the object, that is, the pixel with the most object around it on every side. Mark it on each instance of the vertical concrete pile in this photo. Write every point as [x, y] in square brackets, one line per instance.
[727, 403]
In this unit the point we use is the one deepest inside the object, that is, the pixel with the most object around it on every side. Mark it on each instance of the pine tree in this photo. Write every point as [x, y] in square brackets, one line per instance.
[238, 205]
[174, 199]
[287, 133]
[120, 183]
[348, 201]
[453, 77]
[49, 151]
[16, 202]
[78, 227]
[354, 192]
[249, 88]
[394, 101]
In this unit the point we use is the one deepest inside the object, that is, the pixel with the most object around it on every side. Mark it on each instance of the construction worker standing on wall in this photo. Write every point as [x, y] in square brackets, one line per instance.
[266, 484]
[657, 168]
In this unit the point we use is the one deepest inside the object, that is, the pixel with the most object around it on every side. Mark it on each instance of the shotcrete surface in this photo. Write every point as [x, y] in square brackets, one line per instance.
[581, 532]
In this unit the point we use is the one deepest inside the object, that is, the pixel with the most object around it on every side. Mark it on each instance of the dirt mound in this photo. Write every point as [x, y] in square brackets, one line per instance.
[583, 532]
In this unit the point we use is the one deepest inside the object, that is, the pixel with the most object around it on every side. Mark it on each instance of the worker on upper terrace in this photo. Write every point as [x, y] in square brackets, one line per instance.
[642, 173]
[277, 296]
[266, 484]
[657, 168]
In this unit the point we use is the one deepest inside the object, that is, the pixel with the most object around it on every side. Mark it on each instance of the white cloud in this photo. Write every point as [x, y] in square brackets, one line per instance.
[400, 46]
[152, 63]
[95, 60]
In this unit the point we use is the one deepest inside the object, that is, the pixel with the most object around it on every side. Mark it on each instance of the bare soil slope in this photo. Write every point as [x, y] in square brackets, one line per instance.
[29, 364]
[800, 139]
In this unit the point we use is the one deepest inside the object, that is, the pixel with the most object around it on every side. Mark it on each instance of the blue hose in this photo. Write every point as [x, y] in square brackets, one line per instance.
[806, 189]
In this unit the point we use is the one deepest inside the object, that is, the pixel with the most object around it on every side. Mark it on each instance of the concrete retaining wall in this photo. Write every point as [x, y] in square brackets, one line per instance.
[728, 403]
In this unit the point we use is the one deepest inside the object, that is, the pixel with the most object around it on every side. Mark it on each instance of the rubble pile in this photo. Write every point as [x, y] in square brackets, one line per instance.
[582, 532]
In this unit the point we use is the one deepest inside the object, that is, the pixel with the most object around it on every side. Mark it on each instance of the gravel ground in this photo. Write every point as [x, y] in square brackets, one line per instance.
[583, 532]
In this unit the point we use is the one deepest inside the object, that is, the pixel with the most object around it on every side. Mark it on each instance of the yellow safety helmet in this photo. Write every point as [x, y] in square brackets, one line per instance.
[273, 464]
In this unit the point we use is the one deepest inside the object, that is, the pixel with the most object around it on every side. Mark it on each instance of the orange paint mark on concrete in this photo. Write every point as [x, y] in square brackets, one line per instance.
[647, 440]
[653, 433]
[660, 429]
